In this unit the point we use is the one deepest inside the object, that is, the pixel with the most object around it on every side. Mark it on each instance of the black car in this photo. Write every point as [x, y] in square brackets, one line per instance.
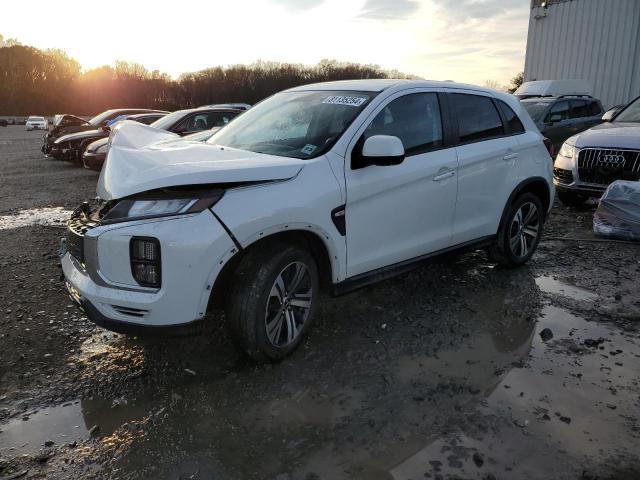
[65, 124]
[558, 118]
[72, 146]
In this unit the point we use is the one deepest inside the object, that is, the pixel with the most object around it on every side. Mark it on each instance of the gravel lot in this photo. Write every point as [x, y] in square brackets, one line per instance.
[446, 372]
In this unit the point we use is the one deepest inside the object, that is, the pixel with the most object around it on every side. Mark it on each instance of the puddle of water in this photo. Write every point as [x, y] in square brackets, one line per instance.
[64, 424]
[36, 216]
[551, 285]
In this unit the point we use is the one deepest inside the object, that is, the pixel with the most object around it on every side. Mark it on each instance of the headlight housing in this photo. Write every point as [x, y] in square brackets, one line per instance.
[102, 148]
[568, 150]
[161, 204]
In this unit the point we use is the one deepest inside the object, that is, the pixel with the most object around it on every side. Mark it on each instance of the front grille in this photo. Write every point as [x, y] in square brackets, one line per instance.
[603, 166]
[83, 219]
[75, 245]
[563, 176]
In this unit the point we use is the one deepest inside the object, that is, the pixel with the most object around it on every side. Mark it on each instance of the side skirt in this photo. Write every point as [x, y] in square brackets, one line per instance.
[384, 273]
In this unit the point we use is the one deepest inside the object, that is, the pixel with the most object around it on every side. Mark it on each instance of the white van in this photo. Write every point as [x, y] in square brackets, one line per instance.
[552, 88]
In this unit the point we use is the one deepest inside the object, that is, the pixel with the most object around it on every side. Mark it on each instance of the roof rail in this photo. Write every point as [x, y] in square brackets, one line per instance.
[575, 95]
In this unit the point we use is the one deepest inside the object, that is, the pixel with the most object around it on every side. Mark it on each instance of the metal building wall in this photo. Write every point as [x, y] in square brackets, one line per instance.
[595, 40]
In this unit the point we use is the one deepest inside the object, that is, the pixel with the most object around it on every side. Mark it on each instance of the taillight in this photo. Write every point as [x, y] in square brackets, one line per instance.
[145, 261]
[550, 147]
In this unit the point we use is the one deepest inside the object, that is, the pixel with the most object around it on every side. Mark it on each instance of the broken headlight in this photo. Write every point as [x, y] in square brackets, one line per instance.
[161, 205]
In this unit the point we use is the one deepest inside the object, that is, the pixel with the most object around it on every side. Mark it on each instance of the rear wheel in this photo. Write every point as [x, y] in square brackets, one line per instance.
[520, 233]
[272, 300]
[571, 199]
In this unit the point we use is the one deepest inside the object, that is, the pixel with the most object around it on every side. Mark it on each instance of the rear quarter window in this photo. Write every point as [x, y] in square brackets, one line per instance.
[513, 123]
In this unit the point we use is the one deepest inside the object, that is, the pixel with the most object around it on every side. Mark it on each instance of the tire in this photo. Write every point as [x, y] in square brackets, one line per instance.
[77, 159]
[571, 199]
[509, 250]
[260, 315]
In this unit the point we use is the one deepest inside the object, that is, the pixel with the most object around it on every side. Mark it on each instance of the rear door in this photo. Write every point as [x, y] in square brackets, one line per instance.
[578, 116]
[487, 155]
[557, 121]
[593, 114]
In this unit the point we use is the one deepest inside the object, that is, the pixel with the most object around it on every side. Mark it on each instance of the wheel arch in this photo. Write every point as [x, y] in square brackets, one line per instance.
[309, 240]
[536, 185]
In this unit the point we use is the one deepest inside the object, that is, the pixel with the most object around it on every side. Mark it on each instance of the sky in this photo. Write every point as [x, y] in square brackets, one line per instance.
[470, 41]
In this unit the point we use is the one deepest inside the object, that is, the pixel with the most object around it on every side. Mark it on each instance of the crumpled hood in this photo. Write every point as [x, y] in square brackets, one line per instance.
[609, 135]
[143, 158]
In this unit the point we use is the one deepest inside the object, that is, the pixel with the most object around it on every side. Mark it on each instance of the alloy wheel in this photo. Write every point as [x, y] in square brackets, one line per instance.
[289, 304]
[524, 230]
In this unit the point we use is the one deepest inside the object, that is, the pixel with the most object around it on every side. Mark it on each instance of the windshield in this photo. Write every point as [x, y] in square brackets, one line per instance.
[535, 109]
[294, 124]
[167, 121]
[631, 113]
[99, 119]
[35, 119]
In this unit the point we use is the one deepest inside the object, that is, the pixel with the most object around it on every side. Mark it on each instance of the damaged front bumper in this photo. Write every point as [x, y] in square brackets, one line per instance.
[98, 275]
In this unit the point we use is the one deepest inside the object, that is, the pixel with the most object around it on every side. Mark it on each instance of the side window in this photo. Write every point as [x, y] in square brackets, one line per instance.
[513, 122]
[148, 120]
[192, 123]
[477, 116]
[593, 109]
[579, 109]
[199, 122]
[414, 119]
[559, 112]
[219, 119]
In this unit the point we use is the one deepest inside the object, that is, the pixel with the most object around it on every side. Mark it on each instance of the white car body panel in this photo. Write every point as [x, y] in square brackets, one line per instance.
[429, 202]
[130, 169]
[395, 213]
[485, 181]
[185, 256]
[268, 209]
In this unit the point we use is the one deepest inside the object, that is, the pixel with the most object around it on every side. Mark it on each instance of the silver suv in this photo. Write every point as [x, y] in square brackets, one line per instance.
[588, 162]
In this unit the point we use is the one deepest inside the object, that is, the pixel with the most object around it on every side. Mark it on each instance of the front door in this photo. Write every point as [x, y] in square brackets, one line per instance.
[395, 213]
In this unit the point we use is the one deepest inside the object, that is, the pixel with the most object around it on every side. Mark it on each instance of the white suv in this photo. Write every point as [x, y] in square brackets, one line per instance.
[328, 186]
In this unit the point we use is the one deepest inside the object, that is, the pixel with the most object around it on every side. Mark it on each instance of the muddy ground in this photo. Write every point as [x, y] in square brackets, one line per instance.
[440, 373]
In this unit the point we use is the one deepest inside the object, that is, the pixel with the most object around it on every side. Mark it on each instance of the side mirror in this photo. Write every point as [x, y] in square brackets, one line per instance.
[609, 114]
[554, 118]
[381, 150]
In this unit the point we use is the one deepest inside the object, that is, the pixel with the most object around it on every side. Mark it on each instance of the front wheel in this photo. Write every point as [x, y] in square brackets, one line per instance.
[520, 233]
[272, 300]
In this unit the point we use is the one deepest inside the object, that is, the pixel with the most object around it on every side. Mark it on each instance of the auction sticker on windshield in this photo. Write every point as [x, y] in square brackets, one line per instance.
[345, 100]
[309, 149]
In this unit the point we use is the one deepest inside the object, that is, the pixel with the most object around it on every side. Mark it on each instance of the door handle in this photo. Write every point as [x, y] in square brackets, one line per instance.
[510, 156]
[442, 176]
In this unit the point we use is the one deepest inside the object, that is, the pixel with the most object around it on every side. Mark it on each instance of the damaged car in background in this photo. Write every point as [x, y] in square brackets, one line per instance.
[66, 124]
[96, 153]
[588, 162]
[259, 219]
[71, 147]
[196, 124]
